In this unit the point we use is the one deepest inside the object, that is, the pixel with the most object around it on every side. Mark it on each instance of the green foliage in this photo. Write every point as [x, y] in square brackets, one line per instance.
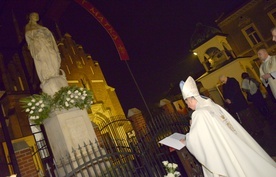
[38, 107]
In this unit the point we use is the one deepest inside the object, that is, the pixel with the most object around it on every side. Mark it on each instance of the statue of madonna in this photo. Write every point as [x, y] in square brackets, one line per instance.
[44, 50]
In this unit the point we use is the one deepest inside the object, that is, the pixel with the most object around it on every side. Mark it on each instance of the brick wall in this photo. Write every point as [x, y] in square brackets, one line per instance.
[26, 163]
[138, 122]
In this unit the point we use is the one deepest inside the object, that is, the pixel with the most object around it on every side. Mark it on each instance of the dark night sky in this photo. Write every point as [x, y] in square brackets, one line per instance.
[156, 35]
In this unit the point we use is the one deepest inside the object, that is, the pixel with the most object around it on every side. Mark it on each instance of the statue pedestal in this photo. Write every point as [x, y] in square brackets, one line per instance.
[70, 129]
[67, 130]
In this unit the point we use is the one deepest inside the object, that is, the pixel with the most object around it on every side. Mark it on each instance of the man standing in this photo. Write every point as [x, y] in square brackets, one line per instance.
[252, 89]
[268, 70]
[236, 103]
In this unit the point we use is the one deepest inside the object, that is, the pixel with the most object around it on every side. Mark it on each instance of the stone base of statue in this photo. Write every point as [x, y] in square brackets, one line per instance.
[67, 131]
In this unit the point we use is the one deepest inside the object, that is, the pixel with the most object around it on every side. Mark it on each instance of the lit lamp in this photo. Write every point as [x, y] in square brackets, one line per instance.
[7, 136]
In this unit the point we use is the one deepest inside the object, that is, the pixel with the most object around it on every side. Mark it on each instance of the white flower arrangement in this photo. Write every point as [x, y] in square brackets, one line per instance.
[38, 107]
[171, 169]
[73, 96]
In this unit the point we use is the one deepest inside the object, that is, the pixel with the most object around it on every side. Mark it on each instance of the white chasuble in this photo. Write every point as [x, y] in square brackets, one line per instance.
[223, 146]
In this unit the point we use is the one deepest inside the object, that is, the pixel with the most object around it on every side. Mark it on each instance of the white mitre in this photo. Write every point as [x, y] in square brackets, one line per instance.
[188, 88]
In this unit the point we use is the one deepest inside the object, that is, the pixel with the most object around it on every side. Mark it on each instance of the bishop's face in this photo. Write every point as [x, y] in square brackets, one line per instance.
[191, 102]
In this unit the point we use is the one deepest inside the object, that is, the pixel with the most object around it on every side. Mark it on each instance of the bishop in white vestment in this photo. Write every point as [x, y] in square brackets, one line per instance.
[219, 142]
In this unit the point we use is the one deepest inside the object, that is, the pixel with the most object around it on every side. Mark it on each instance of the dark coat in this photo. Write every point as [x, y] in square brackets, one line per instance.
[232, 91]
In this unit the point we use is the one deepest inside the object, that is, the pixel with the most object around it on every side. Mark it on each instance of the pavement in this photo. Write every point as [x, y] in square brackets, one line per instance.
[265, 128]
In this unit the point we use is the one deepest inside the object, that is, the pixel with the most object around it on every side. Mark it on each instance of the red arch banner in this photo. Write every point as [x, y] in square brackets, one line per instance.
[107, 26]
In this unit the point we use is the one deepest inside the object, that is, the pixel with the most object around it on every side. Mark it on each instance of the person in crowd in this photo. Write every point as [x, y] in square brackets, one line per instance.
[219, 142]
[251, 87]
[237, 104]
[233, 97]
[43, 49]
[268, 70]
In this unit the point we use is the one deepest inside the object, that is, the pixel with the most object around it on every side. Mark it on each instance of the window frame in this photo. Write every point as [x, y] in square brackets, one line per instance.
[248, 36]
[270, 15]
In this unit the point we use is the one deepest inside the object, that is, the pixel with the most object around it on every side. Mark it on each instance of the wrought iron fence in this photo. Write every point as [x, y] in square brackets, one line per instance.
[138, 156]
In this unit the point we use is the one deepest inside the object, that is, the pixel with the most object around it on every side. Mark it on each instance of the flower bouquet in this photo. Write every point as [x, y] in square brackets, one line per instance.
[39, 106]
[171, 169]
[72, 96]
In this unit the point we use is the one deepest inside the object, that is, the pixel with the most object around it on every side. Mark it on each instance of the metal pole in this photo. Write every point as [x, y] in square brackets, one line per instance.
[138, 89]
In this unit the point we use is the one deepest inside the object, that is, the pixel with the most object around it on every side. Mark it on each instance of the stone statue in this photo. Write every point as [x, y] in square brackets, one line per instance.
[44, 50]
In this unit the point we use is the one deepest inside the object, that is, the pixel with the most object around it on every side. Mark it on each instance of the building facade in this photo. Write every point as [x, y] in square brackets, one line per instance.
[231, 49]
[241, 33]
[248, 27]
